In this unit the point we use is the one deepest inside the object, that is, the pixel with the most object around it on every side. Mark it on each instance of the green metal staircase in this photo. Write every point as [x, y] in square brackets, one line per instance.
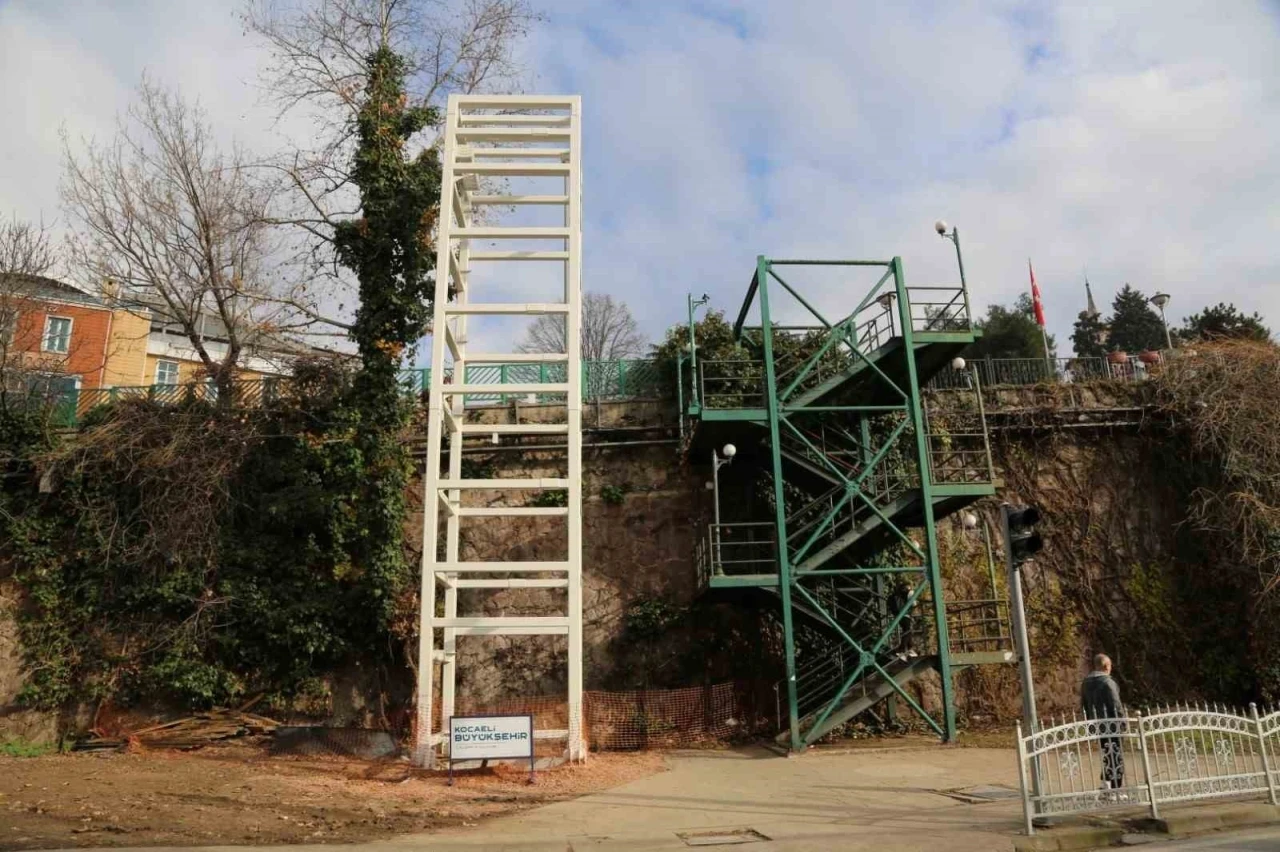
[852, 474]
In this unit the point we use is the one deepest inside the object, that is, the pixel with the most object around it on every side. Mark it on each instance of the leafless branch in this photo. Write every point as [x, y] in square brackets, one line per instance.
[608, 331]
[26, 248]
[28, 256]
[164, 221]
[320, 68]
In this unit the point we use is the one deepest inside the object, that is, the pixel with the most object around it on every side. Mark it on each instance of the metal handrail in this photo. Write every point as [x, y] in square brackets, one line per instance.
[979, 625]
[1032, 371]
[754, 555]
[931, 315]
[731, 383]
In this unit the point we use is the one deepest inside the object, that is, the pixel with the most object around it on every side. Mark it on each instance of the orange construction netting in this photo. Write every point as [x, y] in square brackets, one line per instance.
[618, 721]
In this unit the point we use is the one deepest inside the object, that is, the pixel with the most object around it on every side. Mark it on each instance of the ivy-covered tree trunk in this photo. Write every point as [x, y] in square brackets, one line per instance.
[389, 251]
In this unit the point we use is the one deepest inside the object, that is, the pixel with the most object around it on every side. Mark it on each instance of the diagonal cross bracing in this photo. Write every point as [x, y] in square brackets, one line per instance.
[874, 364]
[519, 134]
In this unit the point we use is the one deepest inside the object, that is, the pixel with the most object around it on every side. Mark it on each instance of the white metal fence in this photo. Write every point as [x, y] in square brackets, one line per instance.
[1177, 754]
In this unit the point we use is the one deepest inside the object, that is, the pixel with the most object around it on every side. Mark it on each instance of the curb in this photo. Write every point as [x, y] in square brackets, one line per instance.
[1220, 817]
[1194, 820]
[1083, 837]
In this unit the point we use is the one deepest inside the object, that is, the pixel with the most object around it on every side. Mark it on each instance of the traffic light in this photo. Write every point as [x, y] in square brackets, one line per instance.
[1023, 540]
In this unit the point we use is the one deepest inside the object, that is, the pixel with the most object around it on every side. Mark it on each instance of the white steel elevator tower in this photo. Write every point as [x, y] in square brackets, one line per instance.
[506, 158]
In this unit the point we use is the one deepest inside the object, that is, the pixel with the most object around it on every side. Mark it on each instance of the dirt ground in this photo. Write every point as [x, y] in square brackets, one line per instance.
[238, 794]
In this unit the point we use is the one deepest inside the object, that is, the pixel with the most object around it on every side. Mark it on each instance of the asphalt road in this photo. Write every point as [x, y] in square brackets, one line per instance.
[1262, 840]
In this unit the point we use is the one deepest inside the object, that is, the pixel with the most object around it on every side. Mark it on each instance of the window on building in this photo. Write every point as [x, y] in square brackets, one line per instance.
[166, 372]
[57, 334]
[8, 326]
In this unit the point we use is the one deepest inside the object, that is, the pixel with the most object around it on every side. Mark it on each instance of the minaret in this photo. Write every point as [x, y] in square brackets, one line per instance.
[1092, 310]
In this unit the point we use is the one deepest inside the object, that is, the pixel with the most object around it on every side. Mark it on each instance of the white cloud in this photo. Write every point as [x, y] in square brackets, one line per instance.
[1136, 143]
[50, 82]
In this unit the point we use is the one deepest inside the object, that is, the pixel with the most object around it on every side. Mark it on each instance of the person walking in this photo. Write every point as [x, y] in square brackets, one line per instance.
[1100, 699]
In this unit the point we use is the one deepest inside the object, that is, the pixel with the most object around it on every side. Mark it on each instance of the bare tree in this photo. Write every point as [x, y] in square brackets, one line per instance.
[164, 220]
[608, 331]
[26, 252]
[27, 256]
[26, 248]
[321, 49]
[323, 67]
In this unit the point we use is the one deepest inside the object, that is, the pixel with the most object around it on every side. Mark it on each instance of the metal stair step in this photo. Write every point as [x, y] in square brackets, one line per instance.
[816, 560]
[862, 696]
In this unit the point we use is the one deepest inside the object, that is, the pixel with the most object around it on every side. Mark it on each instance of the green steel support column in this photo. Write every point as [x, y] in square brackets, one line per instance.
[779, 498]
[933, 568]
[882, 597]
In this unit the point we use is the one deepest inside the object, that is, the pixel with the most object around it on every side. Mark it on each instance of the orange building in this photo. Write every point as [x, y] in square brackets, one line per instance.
[51, 329]
[61, 340]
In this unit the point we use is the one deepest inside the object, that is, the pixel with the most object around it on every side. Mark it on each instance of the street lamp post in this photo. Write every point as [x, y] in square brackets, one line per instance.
[970, 522]
[885, 301]
[941, 227]
[1160, 300]
[694, 304]
[728, 451]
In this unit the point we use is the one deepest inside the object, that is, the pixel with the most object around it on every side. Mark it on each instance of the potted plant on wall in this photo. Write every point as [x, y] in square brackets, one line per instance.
[1117, 357]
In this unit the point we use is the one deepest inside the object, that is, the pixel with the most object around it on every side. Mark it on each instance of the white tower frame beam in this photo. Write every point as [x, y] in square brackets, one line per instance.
[512, 137]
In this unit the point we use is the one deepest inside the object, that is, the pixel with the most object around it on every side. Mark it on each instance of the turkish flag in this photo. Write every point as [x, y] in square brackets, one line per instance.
[1035, 296]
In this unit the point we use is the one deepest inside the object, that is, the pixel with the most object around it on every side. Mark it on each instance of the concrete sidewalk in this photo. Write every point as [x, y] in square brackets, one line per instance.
[865, 800]
[862, 800]
[883, 800]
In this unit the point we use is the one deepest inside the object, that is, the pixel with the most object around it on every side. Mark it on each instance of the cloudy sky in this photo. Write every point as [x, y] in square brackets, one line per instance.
[1139, 140]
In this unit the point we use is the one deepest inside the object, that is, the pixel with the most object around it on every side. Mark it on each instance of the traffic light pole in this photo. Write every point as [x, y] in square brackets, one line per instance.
[1019, 613]
[1021, 645]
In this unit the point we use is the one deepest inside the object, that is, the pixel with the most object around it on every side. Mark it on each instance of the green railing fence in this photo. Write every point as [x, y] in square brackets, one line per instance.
[620, 379]
[1034, 371]
[601, 380]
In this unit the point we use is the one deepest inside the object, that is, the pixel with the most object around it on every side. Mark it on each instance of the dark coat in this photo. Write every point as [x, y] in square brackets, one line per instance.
[1100, 696]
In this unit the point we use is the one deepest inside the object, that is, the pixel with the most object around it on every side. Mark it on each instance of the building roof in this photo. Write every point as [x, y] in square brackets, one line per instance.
[43, 287]
[211, 327]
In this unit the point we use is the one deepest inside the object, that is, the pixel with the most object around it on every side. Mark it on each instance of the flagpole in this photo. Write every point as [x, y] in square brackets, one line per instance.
[1039, 312]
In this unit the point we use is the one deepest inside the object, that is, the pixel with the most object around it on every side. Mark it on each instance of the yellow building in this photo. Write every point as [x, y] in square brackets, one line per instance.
[169, 358]
[126, 362]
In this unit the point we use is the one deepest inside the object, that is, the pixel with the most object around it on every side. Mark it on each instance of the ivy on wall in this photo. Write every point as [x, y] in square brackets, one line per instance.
[389, 250]
[198, 555]
[262, 595]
